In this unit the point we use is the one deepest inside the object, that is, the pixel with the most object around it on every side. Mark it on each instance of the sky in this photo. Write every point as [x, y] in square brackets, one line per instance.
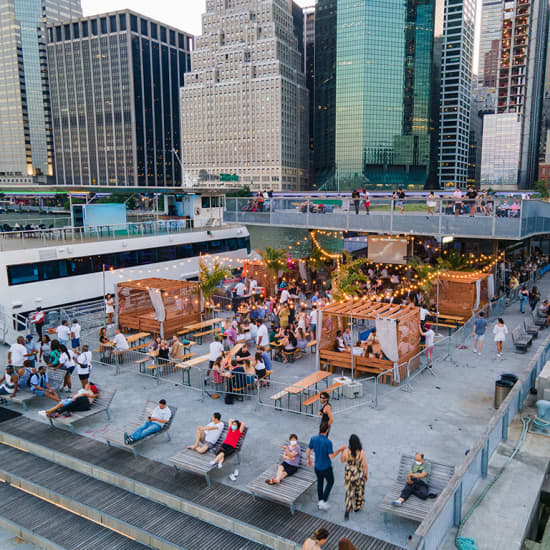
[183, 14]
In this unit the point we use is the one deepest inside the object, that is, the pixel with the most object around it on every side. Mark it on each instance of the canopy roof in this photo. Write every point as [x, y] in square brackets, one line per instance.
[159, 284]
[365, 309]
[462, 276]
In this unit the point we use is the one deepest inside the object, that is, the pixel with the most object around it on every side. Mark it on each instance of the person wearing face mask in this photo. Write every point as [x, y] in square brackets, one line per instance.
[417, 481]
[229, 445]
[291, 461]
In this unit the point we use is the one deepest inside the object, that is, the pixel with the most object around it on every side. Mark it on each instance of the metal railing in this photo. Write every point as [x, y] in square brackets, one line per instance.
[447, 510]
[497, 218]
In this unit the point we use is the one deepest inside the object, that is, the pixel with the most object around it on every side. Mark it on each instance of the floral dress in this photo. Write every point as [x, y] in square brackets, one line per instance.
[355, 483]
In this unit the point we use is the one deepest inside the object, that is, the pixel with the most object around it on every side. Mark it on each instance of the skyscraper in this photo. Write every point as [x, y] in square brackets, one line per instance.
[491, 30]
[456, 91]
[115, 81]
[511, 135]
[26, 152]
[309, 67]
[245, 102]
[373, 64]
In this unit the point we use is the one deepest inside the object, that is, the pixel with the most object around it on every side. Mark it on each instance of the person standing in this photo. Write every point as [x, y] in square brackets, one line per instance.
[523, 298]
[262, 336]
[109, 308]
[431, 203]
[534, 297]
[500, 330]
[84, 365]
[63, 333]
[32, 350]
[366, 201]
[480, 328]
[356, 474]
[17, 353]
[37, 319]
[325, 412]
[355, 197]
[458, 201]
[429, 337]
[321, 445]
[76, 329]
[471, 195]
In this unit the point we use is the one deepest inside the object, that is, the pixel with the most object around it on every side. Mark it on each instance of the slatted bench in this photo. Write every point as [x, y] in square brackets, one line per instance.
[415, 508]
[138, 347]
[314, 398]
[24, 393]
[191, 461]
[291, 487]
[530, 328]
[522, 341]
[539, 319]
[114, 437]
[100, 405]
[199, 335]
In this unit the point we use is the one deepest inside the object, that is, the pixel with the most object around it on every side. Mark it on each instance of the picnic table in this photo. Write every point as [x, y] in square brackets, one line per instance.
[302, 387]
[203, 324]
[131, 338]
[186, 366]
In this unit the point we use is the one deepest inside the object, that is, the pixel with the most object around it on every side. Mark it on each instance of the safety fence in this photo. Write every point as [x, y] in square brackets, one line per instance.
[447, 511]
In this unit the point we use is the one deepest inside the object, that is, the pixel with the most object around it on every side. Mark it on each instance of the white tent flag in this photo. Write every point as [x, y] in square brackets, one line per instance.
[478, 294]
[158, 304]
[491, 286]
[386, 332]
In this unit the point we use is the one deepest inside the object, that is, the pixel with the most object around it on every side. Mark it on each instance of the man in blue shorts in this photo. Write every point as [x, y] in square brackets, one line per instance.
[480, 328]
[40, 386]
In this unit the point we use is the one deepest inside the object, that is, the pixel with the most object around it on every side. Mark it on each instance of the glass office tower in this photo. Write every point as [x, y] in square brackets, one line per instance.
[115, 82]
[25, 121]
[373, 92]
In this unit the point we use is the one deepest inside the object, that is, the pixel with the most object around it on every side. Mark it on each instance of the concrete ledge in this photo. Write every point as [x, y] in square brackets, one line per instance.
[28, 536]
[174, 502]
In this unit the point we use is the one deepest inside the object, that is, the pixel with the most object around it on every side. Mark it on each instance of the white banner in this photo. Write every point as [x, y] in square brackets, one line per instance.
[478, 294]
[386, 333]
[491, 286]
[158, 304]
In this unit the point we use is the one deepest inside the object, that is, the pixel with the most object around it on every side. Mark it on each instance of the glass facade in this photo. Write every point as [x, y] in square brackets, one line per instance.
[58, 269]
[379, 81]
[25, 121]
[115, 101]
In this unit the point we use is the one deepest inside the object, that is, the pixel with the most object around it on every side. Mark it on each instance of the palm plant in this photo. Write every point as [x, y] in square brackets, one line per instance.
[345, 280]
[209, 279]
[275, 260]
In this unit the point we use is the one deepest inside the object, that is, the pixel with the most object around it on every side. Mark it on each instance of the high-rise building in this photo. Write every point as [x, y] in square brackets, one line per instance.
[115, 82]
[245, 102]
[373, 64]
[511, 135]
[456, 91]
[490, 34]
[26, 149]
[309, 68]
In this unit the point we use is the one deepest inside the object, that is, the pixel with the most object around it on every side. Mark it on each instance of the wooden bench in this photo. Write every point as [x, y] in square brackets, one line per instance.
[312, 346]
[414, 508]
[278, 397]
[291, 488]
[530, 327]
[314, 398]
[114, 437]
[191, 461]
[522, 341]
[135, 348]
[332, 360]
[186, 366]
[100, 405]
[24, 393]
[199, 335]
[298, 388]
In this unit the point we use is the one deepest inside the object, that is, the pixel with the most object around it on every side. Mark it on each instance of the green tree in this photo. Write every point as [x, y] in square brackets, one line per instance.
[244, 191]
[541, 187]
[209, 279]
[345, 281]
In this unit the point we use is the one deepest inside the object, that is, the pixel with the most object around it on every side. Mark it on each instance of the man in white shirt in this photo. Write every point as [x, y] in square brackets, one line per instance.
[207, 436]
[253, 285]
[159, 417]
[215, 349]
[63, 333]
[313, 322]
[75, 335]
[120, 341]
[423, 313]
[240, 288]
[262, 337]
[84, 365]
[17, 353]
[285, 295]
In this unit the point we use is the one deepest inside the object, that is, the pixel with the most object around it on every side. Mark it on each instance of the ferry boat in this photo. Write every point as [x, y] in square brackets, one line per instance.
[52, 268]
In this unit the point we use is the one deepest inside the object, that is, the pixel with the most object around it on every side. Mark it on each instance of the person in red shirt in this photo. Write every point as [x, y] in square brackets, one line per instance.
[37, 319]
[236, 429]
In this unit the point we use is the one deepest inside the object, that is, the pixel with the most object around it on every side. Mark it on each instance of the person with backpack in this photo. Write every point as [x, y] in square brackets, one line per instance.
[78, 402]
[67, 363]
[84, 365]
[39, 384]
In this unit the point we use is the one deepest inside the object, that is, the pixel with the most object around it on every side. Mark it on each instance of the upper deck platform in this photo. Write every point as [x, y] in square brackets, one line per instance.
[501, 221]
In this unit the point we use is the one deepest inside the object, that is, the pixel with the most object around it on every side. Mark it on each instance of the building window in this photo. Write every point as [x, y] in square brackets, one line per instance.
[122, 21]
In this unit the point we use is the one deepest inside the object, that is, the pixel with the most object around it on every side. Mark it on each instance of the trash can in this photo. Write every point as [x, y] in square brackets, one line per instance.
[503, 388]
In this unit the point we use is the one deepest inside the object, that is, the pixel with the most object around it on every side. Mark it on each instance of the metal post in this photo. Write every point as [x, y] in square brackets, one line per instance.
[485, 459]
[494, 217]
[457, 508]
[505, 424]
[440, 216]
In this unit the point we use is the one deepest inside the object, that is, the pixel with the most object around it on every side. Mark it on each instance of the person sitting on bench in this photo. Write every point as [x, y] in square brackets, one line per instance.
[207, 436]
[229, 446]
[8, 382]
[40, 385]
[291, 461]
[417, 481]
[80, 401]
[159, 416]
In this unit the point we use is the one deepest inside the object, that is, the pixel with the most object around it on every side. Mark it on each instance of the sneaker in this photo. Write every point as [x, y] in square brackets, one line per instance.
[324, 506]
[212, 462]
[233, 477]
[397, 503]
[475, 350]
[126, 439]
[320, 504]
[220, 465]
[43, 414]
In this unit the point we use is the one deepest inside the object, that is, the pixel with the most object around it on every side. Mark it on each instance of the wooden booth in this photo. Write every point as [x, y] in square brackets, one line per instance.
[158, 306]
[257, 270]
[398, 333]
[459, 293]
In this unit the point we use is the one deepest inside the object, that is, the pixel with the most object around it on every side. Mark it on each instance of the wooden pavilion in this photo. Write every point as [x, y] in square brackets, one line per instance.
[398, 332]
[158, 306]
[459, 293]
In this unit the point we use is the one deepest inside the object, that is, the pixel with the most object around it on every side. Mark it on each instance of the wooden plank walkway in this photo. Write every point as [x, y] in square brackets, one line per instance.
[240, 505]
